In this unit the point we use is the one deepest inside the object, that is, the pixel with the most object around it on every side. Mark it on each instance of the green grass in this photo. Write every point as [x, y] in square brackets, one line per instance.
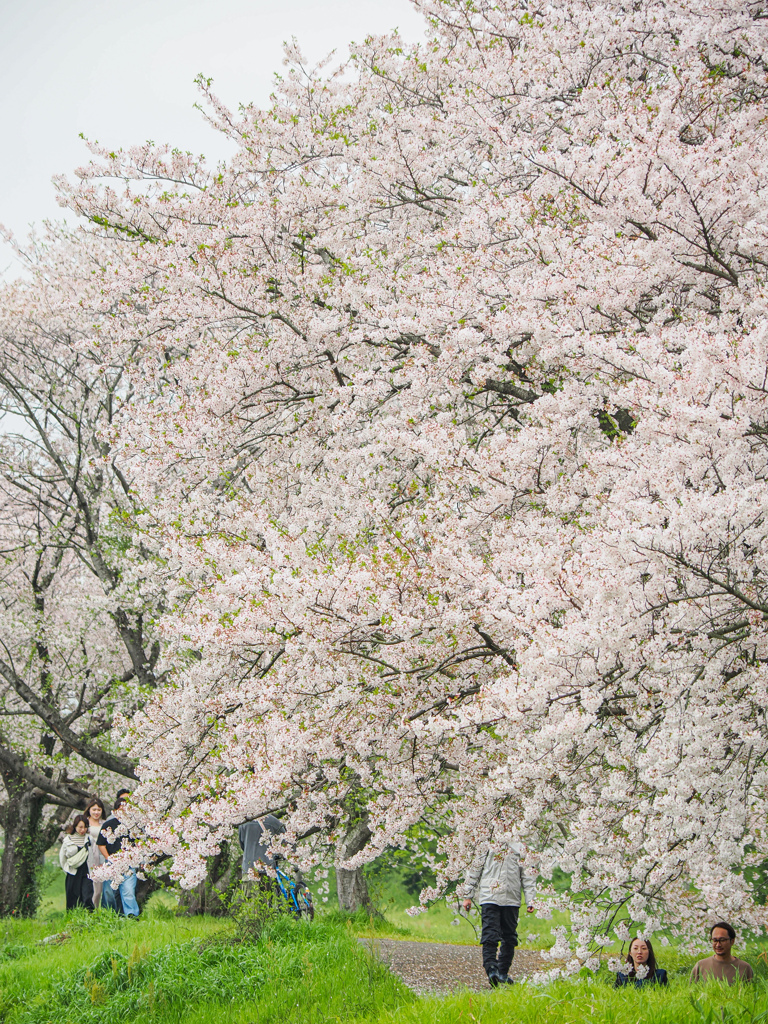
[188, 970]
[168, 969]
[582, 1002]
[441, 923]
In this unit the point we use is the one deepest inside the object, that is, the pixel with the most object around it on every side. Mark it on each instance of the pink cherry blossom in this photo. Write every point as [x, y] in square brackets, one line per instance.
[448, 422]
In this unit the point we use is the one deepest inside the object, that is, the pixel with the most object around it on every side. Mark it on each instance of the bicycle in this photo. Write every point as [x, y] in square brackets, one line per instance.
[297, 896]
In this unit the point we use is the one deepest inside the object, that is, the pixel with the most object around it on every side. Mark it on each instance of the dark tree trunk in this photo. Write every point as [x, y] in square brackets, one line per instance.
[351, 885]
[25, 843]
[149, 884]
[213, 895]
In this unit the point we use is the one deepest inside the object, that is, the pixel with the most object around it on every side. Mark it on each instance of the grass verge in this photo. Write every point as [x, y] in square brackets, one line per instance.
[173, 971]
[582, 1002]
[166, 969]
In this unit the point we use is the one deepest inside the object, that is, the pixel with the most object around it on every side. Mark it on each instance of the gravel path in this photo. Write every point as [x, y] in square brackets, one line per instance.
[428, 967]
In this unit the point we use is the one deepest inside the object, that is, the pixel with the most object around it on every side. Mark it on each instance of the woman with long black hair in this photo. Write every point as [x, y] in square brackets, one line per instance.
[641, 966]
[96, 815]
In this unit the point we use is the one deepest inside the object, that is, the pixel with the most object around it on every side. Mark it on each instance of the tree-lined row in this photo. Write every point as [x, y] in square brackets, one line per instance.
[76, 641]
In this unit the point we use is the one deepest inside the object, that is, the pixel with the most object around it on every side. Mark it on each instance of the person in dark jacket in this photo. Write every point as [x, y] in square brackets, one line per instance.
[641, 966]
[112, 839]
[255, 837]
[73, 858]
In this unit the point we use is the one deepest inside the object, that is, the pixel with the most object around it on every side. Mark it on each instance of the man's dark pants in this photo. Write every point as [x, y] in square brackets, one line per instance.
[499, 926]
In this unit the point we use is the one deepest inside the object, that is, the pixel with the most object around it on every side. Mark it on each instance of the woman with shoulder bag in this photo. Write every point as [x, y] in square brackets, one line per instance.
[73, 858]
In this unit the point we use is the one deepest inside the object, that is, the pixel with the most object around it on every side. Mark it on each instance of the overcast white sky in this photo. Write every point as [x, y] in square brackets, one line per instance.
[122, 71]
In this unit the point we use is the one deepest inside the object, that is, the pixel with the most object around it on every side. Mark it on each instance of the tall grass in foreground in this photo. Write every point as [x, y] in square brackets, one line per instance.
[596, 1002]
[295, 973]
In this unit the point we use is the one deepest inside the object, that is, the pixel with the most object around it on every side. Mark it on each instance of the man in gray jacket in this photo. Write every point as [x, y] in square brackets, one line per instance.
[497, 880]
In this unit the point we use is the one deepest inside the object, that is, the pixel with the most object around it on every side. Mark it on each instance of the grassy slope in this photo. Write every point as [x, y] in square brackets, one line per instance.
[183, 970]
[169, 970]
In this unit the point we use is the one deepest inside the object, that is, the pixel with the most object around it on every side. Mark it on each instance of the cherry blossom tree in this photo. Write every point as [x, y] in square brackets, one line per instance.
[76, 641]
[450, 431]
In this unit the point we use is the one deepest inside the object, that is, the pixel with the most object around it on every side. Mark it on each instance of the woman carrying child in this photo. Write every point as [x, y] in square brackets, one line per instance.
[73, 858]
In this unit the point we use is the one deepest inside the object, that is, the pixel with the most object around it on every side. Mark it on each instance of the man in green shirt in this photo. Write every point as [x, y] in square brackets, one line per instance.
[722, 966]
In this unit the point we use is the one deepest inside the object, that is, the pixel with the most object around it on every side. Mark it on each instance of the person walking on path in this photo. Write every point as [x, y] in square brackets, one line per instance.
[95, 813]
[722, 965]
[497, 880]
[641, 969]
[73, 858]
[111, 840]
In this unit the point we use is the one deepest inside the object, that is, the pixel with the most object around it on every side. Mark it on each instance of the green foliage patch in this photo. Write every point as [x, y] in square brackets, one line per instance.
[296, 972]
